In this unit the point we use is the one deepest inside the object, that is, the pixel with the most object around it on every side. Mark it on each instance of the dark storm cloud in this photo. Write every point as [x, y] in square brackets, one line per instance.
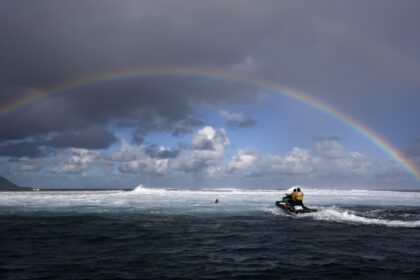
[177, 126]
[65, 39]
[340, 51]
[148, 105]
[90, 139]
[24, 149]
[326, 43]
[50, 42]
[94, 138]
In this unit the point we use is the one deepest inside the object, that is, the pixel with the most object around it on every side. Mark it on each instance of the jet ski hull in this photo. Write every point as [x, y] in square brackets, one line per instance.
[294, 209]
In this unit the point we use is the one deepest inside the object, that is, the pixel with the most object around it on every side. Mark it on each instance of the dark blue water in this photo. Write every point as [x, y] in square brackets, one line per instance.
[252, 245]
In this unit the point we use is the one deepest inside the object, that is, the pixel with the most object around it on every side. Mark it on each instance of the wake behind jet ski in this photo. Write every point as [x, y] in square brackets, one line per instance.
[292, 202]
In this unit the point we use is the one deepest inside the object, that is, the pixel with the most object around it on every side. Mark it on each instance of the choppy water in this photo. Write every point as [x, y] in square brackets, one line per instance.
[181, 234]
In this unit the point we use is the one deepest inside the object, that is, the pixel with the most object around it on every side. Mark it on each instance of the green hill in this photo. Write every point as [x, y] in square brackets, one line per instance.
[6, 185]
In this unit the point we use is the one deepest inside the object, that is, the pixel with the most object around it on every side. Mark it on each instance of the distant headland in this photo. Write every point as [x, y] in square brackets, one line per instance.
[6, 185]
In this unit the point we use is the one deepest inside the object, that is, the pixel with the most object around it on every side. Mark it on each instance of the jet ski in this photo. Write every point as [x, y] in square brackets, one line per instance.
[294, 209]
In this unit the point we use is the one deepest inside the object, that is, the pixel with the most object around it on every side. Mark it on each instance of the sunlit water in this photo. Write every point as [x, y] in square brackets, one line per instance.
[159, 233]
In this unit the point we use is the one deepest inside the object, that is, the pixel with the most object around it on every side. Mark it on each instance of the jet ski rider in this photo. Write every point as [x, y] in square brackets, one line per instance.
[292, 201]
[297, 197]
[294, 196]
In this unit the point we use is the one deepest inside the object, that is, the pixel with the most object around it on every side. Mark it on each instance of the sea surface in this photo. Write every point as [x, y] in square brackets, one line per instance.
[181, 234]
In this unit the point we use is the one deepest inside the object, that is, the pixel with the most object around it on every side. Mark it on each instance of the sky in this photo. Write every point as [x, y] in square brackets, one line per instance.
[248, 94]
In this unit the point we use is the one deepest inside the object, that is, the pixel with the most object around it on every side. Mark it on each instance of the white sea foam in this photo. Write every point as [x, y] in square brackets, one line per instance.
[159, 200]
[345, 216]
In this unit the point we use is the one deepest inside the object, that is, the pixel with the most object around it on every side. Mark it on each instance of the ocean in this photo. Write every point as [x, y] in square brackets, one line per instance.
[151, 233]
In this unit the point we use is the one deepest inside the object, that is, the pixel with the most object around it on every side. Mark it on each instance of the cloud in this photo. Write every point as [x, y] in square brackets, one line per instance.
[192, 165]
[43, 146]
[183, 126]
[327, 162]
[329, 147]
[341, 161]
[91, 138]
[208, 147]
[209, 143]
[163, 104]
[138, 159]
[350, 55]
[243, 160]
[26, 164]
[298, 161]
[311, 57]
[161, 152]
[30, 149]
[206, 157]
[237, 119]
[126, 153]
[78, 162]
[145, 165]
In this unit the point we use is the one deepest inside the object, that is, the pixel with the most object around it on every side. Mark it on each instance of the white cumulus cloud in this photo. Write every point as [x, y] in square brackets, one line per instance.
[243, 160]
[208, 147]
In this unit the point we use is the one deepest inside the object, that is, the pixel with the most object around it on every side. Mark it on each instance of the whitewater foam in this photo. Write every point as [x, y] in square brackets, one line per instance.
[237, 201]
[348, 216]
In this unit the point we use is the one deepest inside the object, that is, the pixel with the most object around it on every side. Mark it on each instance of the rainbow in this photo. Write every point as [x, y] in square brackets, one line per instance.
[217, 74]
